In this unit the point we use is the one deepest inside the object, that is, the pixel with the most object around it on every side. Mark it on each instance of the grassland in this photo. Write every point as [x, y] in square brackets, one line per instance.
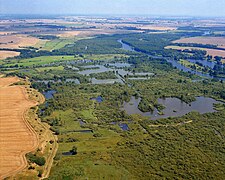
[51, 59]
[59, 68]
[190, 65]
[55, 44]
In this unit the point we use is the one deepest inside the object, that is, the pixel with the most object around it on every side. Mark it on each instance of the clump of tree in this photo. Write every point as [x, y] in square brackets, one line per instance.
[33, 158]
[73, 151]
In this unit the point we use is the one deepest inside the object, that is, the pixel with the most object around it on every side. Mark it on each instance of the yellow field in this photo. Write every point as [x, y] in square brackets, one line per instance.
[218, 41]
[91, 32]
[212, 52]
[17, 41]
[16, 135]
[160, 28]
[6, 54]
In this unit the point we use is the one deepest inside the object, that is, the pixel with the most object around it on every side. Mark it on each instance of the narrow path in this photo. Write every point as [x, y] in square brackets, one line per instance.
[172, 125]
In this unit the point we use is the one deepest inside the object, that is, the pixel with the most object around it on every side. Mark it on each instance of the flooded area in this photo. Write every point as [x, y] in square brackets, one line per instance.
[119, 72]
[173, 107]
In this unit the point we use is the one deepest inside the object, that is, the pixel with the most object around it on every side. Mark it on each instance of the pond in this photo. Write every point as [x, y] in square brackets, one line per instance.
[106, 81]
[139, 78]
[173, 107]
[119, 65]
[97, 69]
[99, 99]
[68, 153]
[49, 94]
[124, 126]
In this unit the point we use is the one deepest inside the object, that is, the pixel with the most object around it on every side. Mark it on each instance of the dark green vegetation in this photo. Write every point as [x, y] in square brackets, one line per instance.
[104, 75]
[36, 159]
[92, 145]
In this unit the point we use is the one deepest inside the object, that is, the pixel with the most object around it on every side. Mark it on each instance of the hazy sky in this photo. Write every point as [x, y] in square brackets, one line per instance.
[133, 7]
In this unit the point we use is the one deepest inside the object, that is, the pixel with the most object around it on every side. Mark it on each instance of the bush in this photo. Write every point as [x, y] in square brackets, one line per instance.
[36, 159]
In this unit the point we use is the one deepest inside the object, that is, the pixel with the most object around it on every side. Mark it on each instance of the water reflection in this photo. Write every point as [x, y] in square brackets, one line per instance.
[97, 69]
[99, 99]
[106, 81]
[173, 107]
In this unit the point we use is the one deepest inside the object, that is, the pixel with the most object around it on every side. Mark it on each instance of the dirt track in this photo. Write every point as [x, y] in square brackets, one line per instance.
[16, 136]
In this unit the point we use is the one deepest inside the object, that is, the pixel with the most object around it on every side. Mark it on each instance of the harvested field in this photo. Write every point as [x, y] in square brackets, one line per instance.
[219, 41]
[16, 135]
[91, 32]
[4, 33]
[160, 28]
[6, 54]
[212, 52]
[17, 41]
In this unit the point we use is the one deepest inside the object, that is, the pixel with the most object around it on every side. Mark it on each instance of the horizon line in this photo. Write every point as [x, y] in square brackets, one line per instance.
[105, 14]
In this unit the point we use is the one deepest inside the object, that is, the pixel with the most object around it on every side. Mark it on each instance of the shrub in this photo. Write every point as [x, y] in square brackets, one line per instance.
[36, 159]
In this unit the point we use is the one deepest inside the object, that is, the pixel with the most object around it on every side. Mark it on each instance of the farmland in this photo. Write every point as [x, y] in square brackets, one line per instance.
[55, 44]
[218, 41]
[17, 137]
[42, 60]
[211, 52]
[112, 98]
[6, 54]
[17, 41]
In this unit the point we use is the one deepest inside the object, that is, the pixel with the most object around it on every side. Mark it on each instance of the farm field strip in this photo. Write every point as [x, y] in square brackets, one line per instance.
[15, 140]
[212, 52]
[17, 41]
[219, 41]
[6, 54]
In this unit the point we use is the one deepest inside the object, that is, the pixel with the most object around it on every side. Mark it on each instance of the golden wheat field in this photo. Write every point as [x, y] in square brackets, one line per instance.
[16, 136]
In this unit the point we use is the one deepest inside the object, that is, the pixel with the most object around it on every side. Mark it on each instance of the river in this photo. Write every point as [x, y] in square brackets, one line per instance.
[176, 64]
